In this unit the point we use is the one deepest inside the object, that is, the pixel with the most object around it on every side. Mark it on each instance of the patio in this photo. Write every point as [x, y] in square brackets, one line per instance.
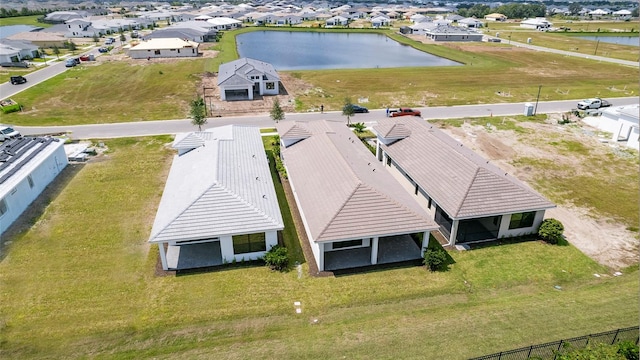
[391, 249]
[194, 255]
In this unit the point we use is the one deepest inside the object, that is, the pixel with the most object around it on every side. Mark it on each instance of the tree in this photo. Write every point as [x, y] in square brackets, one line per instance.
[551, 230]
[359, 127]
[123, 38]
[42, 55]
[95, 38]
[347, 110]
[71, 46]
[574, 8]
[56, 51]
[198, 112]
[277, 113]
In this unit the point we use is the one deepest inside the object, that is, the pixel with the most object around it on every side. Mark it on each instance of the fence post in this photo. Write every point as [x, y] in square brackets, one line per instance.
[557, 351]
[500, 355]
[530, 349]
[615, 337]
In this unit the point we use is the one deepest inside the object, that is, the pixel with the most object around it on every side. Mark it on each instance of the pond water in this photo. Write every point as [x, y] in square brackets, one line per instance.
[620, 40]
[316, 50]
[14, 29]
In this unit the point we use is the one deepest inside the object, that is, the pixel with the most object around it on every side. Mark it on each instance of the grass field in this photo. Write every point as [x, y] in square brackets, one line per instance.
[23, 20]
[81, 283]
[159, 91]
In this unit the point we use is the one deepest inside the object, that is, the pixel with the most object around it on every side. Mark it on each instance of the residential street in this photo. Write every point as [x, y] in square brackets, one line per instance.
[146, 128]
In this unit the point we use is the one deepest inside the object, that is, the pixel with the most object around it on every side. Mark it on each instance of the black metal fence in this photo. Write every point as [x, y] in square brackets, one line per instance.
[552, 349]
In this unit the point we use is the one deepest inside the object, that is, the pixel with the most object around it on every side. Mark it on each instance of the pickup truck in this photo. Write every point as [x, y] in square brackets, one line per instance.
[7, 133]
[403, 112]
[593, 103]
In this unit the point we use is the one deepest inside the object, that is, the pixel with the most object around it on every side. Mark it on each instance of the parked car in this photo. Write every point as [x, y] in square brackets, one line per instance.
[594, 103]
[109, 41]
[359, 109]
[16, 80]
[85, 58]
[70, 63]
[103, 50]
[7, 132]
[403, 112]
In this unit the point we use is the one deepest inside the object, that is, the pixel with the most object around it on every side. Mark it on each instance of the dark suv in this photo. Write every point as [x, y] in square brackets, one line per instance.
[16, 80]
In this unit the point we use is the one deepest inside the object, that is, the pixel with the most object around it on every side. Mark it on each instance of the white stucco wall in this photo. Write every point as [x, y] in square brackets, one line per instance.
[164, 53]
[506, 232]
[43, 169]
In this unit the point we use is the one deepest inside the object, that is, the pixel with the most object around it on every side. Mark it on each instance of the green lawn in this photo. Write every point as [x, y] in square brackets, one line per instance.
[158, 91]
[81, 283]
[24, 20]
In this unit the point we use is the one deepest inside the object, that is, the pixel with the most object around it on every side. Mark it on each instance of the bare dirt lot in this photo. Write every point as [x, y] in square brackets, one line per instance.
[601, 238]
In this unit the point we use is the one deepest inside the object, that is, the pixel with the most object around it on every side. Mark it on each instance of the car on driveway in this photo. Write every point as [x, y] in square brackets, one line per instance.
[403, 112]
[17, 80]
[359, 109]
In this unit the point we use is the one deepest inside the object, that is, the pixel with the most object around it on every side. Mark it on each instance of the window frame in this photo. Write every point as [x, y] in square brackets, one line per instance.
[522, 220]
[255, 242]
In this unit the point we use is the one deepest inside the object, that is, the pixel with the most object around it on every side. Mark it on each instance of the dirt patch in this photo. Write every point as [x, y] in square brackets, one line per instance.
[604, 240]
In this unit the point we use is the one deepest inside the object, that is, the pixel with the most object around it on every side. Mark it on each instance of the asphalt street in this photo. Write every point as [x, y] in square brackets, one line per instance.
[146, 128]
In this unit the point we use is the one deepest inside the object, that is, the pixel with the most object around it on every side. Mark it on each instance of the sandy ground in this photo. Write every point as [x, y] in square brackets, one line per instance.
[604, 240]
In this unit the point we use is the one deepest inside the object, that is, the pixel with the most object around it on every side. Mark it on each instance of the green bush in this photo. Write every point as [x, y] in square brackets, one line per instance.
[551, 230]
[629, 350]
[436, 259]
[277, 258]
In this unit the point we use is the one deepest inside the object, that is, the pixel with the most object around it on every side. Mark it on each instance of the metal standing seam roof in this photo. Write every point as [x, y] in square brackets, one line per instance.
[18, 158]
[221, 187]
[342, 191]
[242, 67]
[460, 181]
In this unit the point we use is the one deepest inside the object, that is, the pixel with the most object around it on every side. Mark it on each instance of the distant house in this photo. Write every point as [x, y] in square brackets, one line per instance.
[80, 28]
[622, 122]
[336, 21]
[380, 21]
[354, 213]
[60, 17]
[164, 48]
[452, 33]
[243, 78]
[538, 23]
[40, 38]
[495, 17]
[471, 23]
[225, 23]
[179, 33]
[219, 204]
[469, 198]
[622, 14]
[27, 166]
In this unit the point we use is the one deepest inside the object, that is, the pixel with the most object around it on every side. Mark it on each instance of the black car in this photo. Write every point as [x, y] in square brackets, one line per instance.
[359, 109]
[103, 50]
[16, 80]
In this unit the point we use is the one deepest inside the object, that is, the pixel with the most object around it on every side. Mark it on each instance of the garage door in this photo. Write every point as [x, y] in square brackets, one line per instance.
[237, 94]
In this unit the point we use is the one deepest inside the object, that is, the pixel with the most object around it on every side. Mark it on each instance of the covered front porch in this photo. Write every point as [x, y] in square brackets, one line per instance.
[390, 249]
[191, 256]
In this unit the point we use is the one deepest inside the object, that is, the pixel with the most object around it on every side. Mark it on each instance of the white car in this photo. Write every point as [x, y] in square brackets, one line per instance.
[7, 132]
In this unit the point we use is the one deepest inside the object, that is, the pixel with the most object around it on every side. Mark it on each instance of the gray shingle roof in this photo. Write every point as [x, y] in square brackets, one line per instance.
[242, 67]
[222, 186]
[460, 181]
[342, 191]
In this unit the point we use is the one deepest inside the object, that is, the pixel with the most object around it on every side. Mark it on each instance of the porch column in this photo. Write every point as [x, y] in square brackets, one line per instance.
[378, 152]
[425, 241]
[321, 257]
[454, 232]
[374, 250]
[163, 256]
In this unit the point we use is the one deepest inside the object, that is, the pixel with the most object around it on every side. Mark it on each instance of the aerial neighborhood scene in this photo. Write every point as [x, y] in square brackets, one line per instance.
[319, 180]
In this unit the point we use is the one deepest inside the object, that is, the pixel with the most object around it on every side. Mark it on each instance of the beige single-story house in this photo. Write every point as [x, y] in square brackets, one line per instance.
[471, 199]
[242, 79]
[354, 212]
[164, 48]
[219, 203]
[495, 17]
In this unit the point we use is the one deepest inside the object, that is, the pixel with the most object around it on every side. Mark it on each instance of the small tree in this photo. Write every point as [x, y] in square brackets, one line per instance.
[277, 258]
[435, 259]
[551, 230]
[122, 38]
[95, 38]
[277, 113]
[56, 51]
[347, 110]
[198, 112]
[359, 127]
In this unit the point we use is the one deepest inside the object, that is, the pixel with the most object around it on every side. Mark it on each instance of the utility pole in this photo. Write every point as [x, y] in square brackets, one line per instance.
[597, 43]
[535, 109]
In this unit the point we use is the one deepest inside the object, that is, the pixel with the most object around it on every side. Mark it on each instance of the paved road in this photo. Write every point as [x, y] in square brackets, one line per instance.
[146, 128]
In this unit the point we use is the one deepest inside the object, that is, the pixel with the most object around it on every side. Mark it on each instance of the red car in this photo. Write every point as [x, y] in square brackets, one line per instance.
[404, 112]
[85, 58]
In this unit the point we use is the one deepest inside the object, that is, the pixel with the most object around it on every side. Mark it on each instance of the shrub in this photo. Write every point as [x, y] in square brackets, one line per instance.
[435, 259]
[551, 230]
[277, 258]
[629, 350]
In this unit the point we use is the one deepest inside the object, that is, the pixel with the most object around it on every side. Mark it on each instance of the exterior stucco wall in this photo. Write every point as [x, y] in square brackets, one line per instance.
[506, 232]
[164, 53]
